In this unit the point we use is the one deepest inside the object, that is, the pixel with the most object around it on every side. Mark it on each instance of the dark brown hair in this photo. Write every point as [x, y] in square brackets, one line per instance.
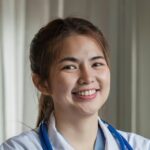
[46, 46]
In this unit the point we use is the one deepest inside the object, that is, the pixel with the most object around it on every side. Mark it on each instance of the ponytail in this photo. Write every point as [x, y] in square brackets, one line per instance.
[46, 107]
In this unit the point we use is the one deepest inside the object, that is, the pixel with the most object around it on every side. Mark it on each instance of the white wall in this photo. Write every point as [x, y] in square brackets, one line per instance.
[1, 89]
[11, 40]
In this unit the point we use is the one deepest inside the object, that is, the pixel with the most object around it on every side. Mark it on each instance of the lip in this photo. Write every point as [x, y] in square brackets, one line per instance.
[85, 97]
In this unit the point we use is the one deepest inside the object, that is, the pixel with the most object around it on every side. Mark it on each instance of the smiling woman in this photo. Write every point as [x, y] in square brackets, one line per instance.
[70, 65]
[83, 71]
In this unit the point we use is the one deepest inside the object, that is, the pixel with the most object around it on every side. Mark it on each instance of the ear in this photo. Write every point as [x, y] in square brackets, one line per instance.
[42, 86]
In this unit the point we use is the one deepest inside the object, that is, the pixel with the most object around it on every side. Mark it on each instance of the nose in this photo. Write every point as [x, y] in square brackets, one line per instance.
[86, 76]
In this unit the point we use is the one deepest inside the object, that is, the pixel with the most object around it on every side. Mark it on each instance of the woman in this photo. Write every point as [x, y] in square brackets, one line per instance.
[70, 64]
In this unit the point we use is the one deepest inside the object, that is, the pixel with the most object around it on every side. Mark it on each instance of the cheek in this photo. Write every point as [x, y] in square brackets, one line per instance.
[62, 84]
[104, 75]
[107, 77]
[104, 80]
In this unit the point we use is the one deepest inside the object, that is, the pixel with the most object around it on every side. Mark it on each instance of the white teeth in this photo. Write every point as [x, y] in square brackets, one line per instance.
[86, 93]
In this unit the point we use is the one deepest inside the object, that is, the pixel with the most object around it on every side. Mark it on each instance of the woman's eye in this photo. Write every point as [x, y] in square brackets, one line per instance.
[69, 67]
[97, 64]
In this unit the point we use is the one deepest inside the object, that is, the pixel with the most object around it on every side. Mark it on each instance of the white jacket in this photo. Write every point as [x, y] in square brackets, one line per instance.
[30, 140]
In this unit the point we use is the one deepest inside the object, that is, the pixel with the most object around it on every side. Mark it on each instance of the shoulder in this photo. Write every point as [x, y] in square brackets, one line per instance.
[26, 140]
[136, 141]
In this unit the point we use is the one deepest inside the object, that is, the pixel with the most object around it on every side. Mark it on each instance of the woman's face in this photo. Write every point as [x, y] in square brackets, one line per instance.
[80, 78]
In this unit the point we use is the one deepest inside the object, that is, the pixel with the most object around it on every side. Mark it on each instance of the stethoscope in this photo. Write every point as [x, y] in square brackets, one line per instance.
[46, 143]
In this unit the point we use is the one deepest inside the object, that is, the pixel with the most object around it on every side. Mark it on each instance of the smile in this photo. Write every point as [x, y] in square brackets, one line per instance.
[86, 94]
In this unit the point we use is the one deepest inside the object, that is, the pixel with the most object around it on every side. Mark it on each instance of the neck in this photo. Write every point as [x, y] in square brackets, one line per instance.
[80, 132]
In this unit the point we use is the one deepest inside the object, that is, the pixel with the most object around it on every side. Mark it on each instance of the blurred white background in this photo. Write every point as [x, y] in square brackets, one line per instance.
[125, 24]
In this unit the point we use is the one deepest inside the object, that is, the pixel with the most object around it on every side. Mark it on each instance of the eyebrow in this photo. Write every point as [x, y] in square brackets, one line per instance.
[97, 57]
[73, 59]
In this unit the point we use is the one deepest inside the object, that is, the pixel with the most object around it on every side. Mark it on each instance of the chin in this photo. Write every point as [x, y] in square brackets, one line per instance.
[88, 111]
[88, 108]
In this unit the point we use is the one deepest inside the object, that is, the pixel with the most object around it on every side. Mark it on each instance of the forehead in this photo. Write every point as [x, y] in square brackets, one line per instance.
[79, 46]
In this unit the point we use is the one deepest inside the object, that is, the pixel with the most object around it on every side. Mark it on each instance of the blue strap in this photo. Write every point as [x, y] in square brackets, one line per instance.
[124, 145]
[128, 146]
[117, 137]
[43, 133]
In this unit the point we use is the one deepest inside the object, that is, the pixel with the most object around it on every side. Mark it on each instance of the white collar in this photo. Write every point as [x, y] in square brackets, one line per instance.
[110, 142]
[59, 142]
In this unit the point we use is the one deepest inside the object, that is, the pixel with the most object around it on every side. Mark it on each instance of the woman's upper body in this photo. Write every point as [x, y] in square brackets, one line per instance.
[31, 140]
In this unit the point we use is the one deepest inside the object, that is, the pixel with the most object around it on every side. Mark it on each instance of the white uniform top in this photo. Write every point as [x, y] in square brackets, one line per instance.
[30, 140]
